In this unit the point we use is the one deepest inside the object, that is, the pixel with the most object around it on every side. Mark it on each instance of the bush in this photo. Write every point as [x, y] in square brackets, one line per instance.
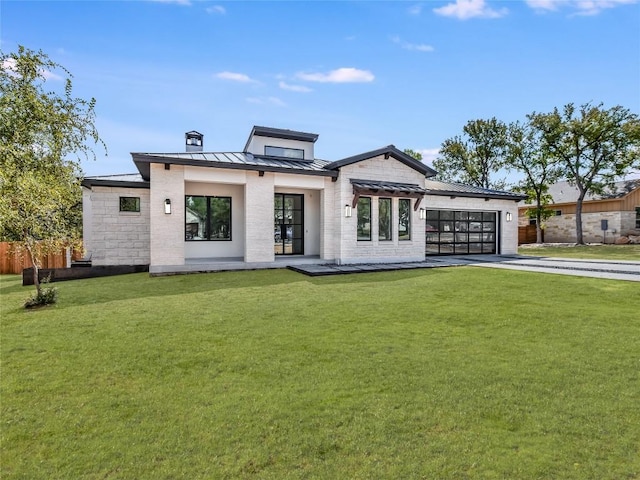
[46, 296]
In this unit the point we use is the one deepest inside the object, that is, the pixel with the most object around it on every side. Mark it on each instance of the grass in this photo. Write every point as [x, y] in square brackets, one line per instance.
[457, 373]
[597, 252]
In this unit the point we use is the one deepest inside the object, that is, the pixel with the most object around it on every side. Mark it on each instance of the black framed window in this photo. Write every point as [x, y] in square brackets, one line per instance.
[384, 219]
[207, 218]
[637, 217]
[364, 218]
[295, 153]
[129, 204]
[404, 219]
[450, 232]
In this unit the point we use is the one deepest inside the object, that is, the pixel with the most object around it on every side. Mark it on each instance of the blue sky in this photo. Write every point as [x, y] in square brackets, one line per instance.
[362, 75]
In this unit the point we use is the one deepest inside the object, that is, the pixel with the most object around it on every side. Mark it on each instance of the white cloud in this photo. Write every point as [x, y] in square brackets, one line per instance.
[340, 75]
[9, 64]
[294, 88]
[219, 9]
[415, 10]
[235, 77]
[429, 155]
[275, 101]
[418, 47]
[466, 9]
[580, 7]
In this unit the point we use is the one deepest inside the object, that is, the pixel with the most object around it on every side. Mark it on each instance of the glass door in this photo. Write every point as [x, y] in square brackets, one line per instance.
[288, 219]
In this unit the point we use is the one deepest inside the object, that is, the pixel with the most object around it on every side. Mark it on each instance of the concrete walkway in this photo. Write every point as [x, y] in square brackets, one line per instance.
[615, 270]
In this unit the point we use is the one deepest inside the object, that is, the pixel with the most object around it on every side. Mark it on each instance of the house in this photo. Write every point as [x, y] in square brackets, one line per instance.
[274, 203]
[605, 217]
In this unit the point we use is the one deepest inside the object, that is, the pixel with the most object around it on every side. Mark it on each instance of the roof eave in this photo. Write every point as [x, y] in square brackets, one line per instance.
[452, 193]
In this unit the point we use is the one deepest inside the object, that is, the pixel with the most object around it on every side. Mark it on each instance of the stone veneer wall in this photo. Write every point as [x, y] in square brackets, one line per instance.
[562, 228]
[115, 237]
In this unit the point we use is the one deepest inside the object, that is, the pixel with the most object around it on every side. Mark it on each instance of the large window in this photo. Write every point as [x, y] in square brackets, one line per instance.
[404, 219]
[207, 218]
[364, 218]
[384, 219]
[129, 204]
[295, 153]
[460, 232]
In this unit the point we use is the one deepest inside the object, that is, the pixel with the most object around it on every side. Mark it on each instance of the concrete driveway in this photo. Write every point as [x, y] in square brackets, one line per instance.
[615, 270]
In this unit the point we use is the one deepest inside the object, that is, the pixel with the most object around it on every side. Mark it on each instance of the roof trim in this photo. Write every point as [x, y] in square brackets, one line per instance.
[487, 194]
[280, 133]
[143, 160]
[388, 151]
[95, 182]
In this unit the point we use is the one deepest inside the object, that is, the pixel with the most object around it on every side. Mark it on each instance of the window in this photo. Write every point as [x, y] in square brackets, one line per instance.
[404, 219]
[364, 218]
[637, 217]
[295, 153]
[129, 204]
[558, 213]
[207, 218]
[384, 219]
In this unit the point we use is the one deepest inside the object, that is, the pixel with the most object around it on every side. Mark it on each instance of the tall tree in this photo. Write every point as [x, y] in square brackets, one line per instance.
[43, 137]
[524, 154]
[592, 145]
[475, 157]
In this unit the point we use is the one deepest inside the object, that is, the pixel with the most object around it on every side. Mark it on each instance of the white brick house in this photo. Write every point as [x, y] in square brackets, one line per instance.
[274, 203]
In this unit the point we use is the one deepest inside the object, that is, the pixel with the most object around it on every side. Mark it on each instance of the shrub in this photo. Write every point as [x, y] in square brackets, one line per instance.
[46, 296]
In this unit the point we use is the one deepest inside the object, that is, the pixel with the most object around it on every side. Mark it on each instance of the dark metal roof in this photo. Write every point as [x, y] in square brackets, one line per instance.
[232, 160]
[131, 180]
[388, 187]
[435, 187]
[280, 133]
[388, 151]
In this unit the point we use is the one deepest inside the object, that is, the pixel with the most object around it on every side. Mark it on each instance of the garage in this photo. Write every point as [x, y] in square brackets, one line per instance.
[459, 232]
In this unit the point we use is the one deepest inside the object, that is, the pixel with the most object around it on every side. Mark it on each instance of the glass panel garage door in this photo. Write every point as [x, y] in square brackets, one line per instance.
[453, 232]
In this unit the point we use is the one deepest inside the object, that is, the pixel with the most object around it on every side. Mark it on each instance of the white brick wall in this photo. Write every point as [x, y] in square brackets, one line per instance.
[259, 218]
[167, 230]
[112, 237]
[350, 250]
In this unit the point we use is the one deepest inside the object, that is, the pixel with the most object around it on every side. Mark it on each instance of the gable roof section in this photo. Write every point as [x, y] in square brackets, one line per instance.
[271, 132]
[435, 187]
[388, 151]
[232, 160]
[564, 192]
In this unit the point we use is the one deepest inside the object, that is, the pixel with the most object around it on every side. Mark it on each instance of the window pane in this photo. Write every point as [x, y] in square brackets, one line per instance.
[295, 153]
[364, 218]
[129, 204]
[404, 219]
[433, 214]
[195, 218]
[220, 218]
[384, 219]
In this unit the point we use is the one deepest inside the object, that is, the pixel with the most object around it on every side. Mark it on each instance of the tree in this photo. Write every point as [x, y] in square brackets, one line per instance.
[593, 146]
[524, 154]
[413, 153]
[43, 137]
[476, 156]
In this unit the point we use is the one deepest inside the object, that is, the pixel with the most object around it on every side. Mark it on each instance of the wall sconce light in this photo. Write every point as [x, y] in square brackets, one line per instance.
[167, 205]
[509, 216]
[423, 214]
[347, 211]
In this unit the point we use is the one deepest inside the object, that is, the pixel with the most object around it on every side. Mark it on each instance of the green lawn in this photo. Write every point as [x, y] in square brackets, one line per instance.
[607, 252]
[455, 373]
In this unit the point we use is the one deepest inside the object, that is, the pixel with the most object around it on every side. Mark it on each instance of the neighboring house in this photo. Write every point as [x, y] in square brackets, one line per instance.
[275, 203]
[617, 210]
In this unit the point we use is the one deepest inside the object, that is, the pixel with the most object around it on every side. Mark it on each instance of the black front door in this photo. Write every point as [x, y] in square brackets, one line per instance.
[288, 219]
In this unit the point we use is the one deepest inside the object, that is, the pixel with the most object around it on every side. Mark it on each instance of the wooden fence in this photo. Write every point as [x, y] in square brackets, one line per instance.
[11, 262]
[527, 234]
